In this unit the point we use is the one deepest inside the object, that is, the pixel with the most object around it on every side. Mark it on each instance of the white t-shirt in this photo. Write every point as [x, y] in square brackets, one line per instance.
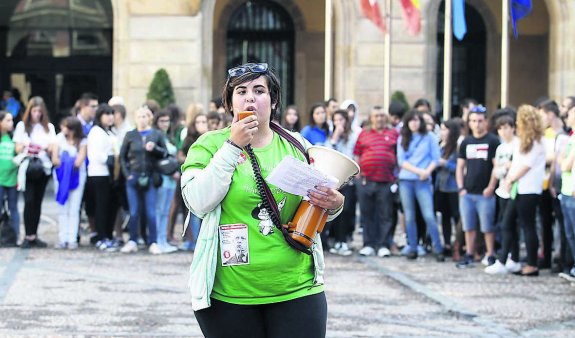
[100, 146]
[532, 181]
[38, 136]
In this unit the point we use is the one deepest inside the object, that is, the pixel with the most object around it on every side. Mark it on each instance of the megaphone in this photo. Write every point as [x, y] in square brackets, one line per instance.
[310, 219]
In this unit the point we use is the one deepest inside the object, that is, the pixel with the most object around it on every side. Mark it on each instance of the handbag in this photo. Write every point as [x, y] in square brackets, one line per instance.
[35, 168]
[168, 165]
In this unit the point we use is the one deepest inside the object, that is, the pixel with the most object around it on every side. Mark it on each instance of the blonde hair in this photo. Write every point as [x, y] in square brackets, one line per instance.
[193, 110]
[529, 127]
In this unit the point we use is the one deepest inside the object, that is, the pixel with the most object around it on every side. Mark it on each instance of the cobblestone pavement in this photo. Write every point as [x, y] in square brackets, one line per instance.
[87, 293]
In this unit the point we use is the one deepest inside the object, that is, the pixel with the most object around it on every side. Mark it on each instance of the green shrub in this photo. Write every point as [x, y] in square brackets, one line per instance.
[161, 89]
[399, 96]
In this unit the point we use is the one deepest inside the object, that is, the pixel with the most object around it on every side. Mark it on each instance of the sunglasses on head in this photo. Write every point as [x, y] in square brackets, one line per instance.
[248, 68]
[478, 109]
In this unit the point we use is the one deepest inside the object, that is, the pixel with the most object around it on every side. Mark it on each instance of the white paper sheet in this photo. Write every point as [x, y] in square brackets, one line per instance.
[297, 177]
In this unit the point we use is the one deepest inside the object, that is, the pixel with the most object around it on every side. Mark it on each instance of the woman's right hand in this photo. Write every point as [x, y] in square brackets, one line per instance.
[243, 131]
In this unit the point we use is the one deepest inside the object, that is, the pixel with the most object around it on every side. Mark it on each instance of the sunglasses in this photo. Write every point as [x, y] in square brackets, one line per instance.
[248, 68]
[478, 109]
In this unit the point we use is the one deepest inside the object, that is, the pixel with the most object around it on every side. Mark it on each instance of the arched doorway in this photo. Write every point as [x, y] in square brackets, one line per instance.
[56, 49]
[468, 59]
[263, 31]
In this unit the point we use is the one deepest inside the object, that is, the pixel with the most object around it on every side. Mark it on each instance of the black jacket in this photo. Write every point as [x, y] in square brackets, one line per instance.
[135, 159]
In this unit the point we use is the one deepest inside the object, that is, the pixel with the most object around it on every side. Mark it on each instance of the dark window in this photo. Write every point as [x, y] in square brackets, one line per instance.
[262, 31]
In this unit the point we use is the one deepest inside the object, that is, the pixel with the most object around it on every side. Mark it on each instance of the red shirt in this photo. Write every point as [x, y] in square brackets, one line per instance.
[376, 151]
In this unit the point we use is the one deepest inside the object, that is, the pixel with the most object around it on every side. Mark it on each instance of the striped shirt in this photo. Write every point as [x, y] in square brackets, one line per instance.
[376, 152]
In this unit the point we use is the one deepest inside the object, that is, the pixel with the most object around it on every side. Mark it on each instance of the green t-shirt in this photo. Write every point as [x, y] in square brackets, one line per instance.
[271, 271]
[566, 177]
[8, 170]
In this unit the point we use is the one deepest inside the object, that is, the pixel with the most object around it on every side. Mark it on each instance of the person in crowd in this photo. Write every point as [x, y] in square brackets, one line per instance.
[317, 130]
[476, 185]
[69, 159]
[166, 191]
[431, 126]
[353, 112]
[9, 171]
[36, 135]
[524, 183]
[396, 111]
[417, 158]
[445, 184]
[466, 106]
[214, 105]
[291, 119]
[193, 110]
[141, 148]
[375, 153]
[289, 282]
[197, 127]
[121, 125]
[11, 105]
[549, 207]
[153, 106]
[343, 139]
[331, 105]
[100, 172]
[567, 103]
[566, 162]
[214, 121]
[177, 123]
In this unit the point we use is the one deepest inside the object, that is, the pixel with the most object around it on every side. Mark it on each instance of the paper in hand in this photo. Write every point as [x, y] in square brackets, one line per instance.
[297, 177]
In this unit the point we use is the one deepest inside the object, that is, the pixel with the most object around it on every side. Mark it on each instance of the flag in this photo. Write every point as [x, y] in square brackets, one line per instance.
[459, 24]
[411, 16]
[371, 11]
[519, 10]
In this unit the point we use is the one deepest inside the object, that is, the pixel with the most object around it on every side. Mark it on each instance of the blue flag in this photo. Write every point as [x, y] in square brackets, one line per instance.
[459, 24]
[519, 10]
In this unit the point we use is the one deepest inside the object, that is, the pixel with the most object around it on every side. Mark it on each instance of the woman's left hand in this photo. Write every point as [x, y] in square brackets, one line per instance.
[326, 198]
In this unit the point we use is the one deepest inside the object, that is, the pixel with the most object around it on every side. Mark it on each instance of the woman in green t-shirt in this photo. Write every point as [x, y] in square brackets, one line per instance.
[246, 281]
[9, 171]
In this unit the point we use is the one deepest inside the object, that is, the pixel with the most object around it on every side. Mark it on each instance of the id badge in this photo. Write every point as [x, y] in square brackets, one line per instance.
[234, 244]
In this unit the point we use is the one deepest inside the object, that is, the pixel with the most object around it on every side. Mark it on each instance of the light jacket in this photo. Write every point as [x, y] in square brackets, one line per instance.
[216, 178]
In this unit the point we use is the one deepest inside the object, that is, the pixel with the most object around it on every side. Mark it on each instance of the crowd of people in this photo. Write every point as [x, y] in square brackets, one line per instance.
[506, 174]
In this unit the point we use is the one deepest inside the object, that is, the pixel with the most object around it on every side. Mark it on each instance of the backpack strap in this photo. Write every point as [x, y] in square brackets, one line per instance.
[289, 137]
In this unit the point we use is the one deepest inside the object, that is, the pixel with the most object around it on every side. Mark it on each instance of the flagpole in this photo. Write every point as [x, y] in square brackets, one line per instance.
[504, 53]
[447, 61]
[328, 51]
[387, 56]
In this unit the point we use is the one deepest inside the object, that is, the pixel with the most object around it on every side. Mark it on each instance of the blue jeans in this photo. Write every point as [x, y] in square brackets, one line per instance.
[12, 196]
[473, 205]
[148, 195]
[164, 201]
[568, 207]
[409, 190]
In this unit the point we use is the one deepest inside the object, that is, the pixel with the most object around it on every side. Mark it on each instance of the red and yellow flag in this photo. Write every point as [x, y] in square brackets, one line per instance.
[412, 16]
[371, 11]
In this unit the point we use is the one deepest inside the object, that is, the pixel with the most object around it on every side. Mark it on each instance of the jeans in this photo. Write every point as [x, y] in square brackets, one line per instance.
[376, 205]
[473, 205]
[69, 213]
[409, 191]
[163, 203]
[148, 195]
[33, 196]
[12, 195]
[568, 207]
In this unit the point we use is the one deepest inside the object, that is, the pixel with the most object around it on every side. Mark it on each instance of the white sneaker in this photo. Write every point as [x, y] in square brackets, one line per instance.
[131, 246]
[367, 251]
[344, 250]
[383, 252]
[168, 248]
[512, 266]
[154, 249]
[335, 249]
[496, 269]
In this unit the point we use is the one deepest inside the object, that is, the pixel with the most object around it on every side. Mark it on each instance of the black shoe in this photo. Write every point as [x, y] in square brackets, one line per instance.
[447, 251]
[465, 262]
[411, 255]
[439, 257]
[544, 264]
[39, 243]
[533, 273]
[26, 244]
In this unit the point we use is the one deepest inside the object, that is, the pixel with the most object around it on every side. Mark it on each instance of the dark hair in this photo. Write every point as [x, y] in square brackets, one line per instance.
[3, 114]
[331, 99]
[214, 115]
[86, 98]
[406, 133]
[217, 101]
[538, 101]
[75, 126]
[297, 125]
[162, 113]
[572, 99]
[465, 103]
[324, 126]
[347, 127]
[36, 101]
[507, 111]
[273, 83]
[549, 106]
[118, 108]
[422, 102]
[103, 108]
[454, 127]
[193, 134]
[152, 105]
[396, 108]
[504, 120]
